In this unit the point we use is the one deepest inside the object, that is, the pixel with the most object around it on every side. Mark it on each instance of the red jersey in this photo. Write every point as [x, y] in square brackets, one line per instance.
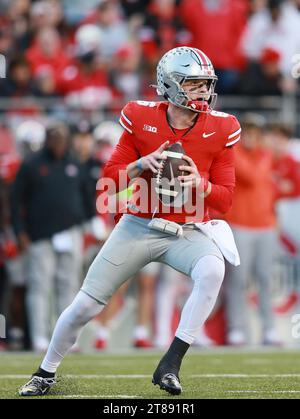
[39, 61]
[208, 142]
[253, 199]
[74, 79]
[286, 174]
[217, 30]
[9, 166]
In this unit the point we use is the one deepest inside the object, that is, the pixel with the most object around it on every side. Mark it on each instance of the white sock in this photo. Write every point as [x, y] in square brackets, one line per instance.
[102, 332]
[167, 290]
[68, 328]
[208, 276]
[140, 332]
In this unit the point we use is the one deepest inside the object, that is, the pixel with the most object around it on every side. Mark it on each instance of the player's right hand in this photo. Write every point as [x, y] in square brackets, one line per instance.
[153, 160]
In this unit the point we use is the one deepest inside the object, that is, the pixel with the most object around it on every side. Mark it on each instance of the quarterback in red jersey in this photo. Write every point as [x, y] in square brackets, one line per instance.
[197, 248]
[207, 141]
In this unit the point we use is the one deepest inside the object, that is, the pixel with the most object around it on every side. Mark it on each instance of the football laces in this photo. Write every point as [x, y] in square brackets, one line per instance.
[159, 173]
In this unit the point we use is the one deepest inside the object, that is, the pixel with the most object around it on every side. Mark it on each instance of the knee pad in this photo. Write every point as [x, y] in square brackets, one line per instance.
[84, 308]
[210, 267]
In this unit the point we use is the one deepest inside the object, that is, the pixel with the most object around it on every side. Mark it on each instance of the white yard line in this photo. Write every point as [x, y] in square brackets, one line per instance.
[108, 376]
[135, 376]
[263, 391]
[102, 396]
[244, 376]
[84, 376]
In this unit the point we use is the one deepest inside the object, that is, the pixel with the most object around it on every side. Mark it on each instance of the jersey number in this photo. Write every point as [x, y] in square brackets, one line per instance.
[146, 103]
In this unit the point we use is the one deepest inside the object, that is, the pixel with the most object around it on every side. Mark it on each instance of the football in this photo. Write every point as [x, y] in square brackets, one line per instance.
[167, 185]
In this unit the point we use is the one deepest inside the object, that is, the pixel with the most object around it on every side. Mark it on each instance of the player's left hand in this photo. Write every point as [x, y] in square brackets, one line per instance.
[193, 179]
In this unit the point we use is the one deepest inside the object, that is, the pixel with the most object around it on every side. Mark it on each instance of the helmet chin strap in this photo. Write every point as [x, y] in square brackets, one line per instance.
[198, 105]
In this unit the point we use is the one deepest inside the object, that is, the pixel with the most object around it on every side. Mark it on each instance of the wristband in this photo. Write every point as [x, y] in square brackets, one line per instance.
[204, 187]
[139, 164]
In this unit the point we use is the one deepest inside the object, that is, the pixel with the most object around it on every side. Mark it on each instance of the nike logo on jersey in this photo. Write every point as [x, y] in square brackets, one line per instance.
[208, 135]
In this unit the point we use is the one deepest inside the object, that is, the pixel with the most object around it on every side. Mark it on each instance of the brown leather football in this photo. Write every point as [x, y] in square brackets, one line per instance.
[167, 186]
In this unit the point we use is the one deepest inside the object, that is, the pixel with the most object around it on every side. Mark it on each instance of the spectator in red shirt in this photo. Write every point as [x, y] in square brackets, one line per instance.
[252, 219]
[125, 74]
[286, 180]
[85, 81]
[276, 26]
[47, 53]
[115, 30]
[162, 29]
[47, 58]
[263, 77]
[46, 13]
[216, 27]
[286, 170]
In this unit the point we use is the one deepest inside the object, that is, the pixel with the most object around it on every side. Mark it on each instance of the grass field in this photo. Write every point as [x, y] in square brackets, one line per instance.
[214, 374]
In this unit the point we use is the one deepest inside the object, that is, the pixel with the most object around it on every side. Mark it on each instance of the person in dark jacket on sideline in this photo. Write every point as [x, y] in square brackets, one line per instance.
[48, 206]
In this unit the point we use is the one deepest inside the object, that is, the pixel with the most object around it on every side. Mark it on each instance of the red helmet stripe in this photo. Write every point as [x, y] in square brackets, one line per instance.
[203, 58]
[199, 56]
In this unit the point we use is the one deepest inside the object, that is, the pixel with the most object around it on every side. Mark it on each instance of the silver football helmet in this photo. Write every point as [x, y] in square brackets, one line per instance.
[181, 64]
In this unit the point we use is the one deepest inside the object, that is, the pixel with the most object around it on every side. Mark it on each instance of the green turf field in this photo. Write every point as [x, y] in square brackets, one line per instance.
[213, 374]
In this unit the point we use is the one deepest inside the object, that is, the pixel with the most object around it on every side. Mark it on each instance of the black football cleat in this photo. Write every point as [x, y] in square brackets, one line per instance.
[168, 382]
[37, 386]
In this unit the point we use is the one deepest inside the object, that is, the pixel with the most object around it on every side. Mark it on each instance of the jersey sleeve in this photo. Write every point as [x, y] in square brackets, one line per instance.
[222, 179]
[125, 151]
[127, 117]
[233, 133]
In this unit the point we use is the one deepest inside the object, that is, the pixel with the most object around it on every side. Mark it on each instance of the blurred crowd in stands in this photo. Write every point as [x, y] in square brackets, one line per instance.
[95, 53]
[70, 68]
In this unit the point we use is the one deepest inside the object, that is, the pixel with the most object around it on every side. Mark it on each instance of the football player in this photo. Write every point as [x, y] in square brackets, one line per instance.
[186, 79]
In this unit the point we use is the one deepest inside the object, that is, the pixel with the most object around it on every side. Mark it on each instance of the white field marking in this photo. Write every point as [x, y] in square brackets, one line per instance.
[84, 376]
[262, 391]
[256, 361]
[128, 355]
[135, 376]
[101, 396]
[216, 361]
[244, 376]
[267, 361]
